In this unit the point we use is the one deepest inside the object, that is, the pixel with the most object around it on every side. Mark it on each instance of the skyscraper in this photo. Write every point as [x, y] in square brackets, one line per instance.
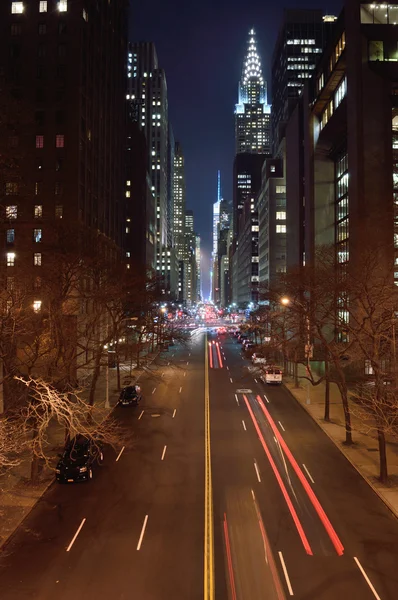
[179, 201]
[147, 90]
[198, 258]
[252, 113]
[302, 37]
[66, 63]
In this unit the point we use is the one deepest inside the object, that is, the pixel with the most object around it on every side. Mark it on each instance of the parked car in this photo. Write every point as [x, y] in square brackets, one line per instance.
[272, 375]
[258, 358]
[76, 461]
[130, 395]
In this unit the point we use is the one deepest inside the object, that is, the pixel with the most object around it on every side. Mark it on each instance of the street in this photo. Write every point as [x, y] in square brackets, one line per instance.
[229, 491]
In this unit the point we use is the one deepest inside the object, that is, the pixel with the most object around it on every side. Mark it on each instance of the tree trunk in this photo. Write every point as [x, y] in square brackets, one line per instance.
[382, 456]
[327, 392]
[347, 414]
[34, 466]
[295, 369]
[118, 367]
[94, 380]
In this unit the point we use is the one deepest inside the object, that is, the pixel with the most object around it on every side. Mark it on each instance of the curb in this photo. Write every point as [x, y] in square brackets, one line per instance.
[364, 477]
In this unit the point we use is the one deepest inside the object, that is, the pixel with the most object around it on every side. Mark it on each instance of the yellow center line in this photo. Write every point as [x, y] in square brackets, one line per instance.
[209, 533]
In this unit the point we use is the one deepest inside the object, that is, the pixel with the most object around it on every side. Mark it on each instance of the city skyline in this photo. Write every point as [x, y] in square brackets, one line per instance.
[217, 68]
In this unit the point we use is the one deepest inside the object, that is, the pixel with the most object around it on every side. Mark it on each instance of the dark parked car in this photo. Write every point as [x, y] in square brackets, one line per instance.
[76, 462]
[130, 395]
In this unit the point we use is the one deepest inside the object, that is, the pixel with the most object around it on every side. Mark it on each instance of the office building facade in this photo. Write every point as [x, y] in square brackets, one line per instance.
[300, 43]
[147, 90]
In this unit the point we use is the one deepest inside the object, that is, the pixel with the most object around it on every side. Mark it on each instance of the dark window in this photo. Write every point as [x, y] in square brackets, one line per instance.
[61, 72]
[13, 141]
[60, 117]
[42, 28]
[40, 72]
[40, 96]
[59, 209]
[15, 51]
[16, 29]
[41, 51]
[58, 188]
[39, 164]
[62, 50]
[58, 164]
[39, 117]
[61, 28]
[10, 236]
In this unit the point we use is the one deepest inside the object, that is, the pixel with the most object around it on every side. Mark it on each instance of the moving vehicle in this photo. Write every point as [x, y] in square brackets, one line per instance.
[272, 375]
[258, 358]
[130, 395]
[76, 461]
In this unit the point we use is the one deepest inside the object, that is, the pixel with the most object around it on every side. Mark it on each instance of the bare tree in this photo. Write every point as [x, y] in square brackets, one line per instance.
[47, 406]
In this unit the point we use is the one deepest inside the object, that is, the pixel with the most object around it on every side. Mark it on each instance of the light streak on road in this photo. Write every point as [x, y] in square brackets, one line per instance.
[164, 452]
[310, 492]
[289, 503]
[229, 559]
[142, 412]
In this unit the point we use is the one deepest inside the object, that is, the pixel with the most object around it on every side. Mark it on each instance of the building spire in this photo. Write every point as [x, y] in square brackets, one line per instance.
[252, 63]
[218, 186]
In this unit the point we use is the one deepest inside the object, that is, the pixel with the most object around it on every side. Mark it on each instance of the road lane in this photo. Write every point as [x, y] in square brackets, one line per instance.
[366, 527]
[103, 562]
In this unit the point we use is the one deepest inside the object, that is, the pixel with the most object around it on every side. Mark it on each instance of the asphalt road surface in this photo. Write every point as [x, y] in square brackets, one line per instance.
[229, 491]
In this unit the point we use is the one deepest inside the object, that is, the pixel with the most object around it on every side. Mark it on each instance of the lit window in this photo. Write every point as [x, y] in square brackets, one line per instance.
[281, 229]
[37, 305]
[128, 266]
[11, 188]
[63, 5]
[58, 188]
[127, 229]
[10, 236]
[128, 254]
[17, 8]
[37, 259]
[10, 259]
[38, 212]
[280, 189]
[59, 141]
[10, 284]
[43, 6]
[37, 235]
[85, 14]
[59, 209]
[128, 194]
[40, 141]
[128, 183]
[11, 211]
[280, 216]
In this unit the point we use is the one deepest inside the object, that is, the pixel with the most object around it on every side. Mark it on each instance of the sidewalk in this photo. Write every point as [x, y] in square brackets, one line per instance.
[17, 495]
[363, 454]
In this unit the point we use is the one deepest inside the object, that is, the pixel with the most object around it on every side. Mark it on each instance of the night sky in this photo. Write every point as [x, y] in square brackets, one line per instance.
[201, 47]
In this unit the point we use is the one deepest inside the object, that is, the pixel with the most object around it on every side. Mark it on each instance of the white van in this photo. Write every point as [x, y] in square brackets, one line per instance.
[272, 375]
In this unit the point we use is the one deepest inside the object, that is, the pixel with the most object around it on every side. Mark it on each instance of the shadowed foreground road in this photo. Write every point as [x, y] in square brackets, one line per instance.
[282, 513]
